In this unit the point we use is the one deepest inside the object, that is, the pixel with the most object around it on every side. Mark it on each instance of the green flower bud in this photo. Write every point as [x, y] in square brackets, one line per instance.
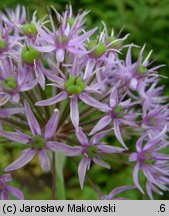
[30, 29]
[99, 50]
[91, 151]
[111, 39]
[38, 142]
[9, 83]
[2, 44]
[74, 85]
[29, 54]
[71, 21]
[141, 69]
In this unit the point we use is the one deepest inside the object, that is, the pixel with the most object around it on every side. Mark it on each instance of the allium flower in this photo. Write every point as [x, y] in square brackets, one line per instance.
[137, 74]
[92, 150]
[13, 81]
[65, 38]
[116, 191]
[147, 159]
[75, 86]
[37, 143]
[5, 189]
[14, 18]
[116, 113]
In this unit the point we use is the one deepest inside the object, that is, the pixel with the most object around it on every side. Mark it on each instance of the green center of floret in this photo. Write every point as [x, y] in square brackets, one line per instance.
[119, 111]
[2, 44]
[71, 21]
[74, 85]
[30, 29]
[9, 83]
[141, 69]
[148, 161]
[38, 142]
[29, 54]
[91, 151]
[111, 39]
[63, 39]
[99, 50]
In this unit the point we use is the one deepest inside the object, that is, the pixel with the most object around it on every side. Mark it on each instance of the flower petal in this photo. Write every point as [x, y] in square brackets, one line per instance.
[93, 102]
[82, 168]
[82, 137]
[52, 124]
[66, 149]
[135, 177]
[15, 192]
[33, 123]
[53, 100]
[102, 123]
[74, 112]
[15, 136]
[118, 133]
[44, 161]
[26, 157]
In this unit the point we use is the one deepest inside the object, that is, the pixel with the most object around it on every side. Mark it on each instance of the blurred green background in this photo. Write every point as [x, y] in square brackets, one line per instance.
[147, 21]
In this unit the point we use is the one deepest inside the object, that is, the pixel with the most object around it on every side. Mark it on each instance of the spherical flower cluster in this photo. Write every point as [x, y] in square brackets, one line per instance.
[65, 88]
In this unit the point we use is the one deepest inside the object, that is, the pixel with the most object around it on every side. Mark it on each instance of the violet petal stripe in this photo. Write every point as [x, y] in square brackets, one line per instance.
[40, 76]
[83, 37]
[120, 190]
[53, 100]
[4, 99]
[82, 137]
[44, 161]
[89, 69]
[15, 192]
[6, 177]
[33, 123]
[93, 102]
[54, 78]
[66, 149]
[135, 177]
[101, 163]
[133, 83]
[26, 157]
[118, 133]
[102, 123]
[74, 112]
[110, 149]
[15, 136]
[113, 97]
[82, 168]
[51, 126]
[44, 49]
[97, 137]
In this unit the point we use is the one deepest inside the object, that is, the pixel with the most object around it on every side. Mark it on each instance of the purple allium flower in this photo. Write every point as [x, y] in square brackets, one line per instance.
[148, 159]
[116, 113]
[137, 74]
[75, 85]
[37, 142]
[116, 191]
[13, 80]
[14, 18]
[66, 37]
[92, 150]
[5, 189]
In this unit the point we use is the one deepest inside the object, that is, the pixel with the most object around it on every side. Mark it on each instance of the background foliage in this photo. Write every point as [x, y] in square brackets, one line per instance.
[147, 21]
